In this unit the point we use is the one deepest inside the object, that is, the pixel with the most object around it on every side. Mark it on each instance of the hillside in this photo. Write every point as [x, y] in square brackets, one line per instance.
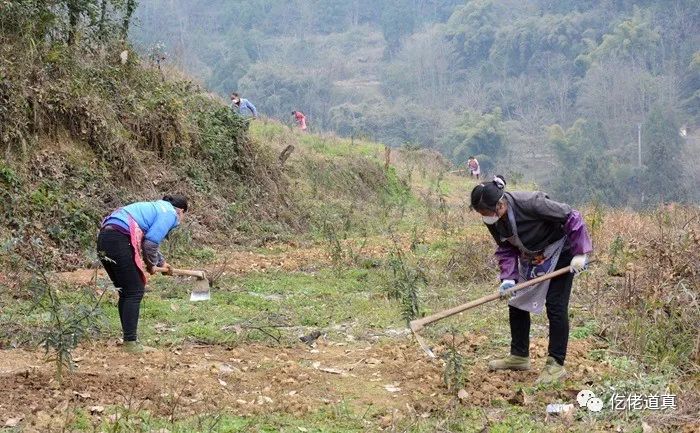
[317, 259]
[350, 272]
[85, 132]
[551, 91]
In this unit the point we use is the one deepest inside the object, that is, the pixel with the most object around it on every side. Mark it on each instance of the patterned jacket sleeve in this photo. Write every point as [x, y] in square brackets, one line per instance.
[575, 229]
[507, 256]
[151, 253]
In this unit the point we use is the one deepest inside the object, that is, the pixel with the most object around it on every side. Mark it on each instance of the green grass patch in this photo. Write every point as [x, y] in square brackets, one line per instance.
[583, 331]
[339, 147]
[273, 300]
[338, 418]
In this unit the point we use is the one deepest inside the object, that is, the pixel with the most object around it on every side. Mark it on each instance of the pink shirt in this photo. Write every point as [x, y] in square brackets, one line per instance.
[301, 119]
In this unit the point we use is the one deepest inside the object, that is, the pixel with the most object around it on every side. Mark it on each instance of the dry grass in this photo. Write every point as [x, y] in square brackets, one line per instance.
[644, 293]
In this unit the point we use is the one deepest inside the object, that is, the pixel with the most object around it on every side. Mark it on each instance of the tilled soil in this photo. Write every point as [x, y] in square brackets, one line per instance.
[393, 379]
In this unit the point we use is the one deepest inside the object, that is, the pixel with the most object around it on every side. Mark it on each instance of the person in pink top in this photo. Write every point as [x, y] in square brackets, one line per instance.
[474, 168]
[300, 118]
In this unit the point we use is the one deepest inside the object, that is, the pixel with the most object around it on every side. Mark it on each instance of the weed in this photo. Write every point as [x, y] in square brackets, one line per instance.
[66, 323]
[595, 218]
[454, 372]
[443, 209]
[333, 242]
[336, 230]
[656, 309]
[417, 238]
[407, 281]
[584, 331]
[617, 247]
[471, 261]
[179, 243]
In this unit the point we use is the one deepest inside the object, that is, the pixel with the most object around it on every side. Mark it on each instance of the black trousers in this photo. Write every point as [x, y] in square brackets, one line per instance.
[117, 256]
[557, 305]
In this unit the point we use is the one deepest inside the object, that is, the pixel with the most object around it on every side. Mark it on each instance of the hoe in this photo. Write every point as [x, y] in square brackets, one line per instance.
[200, 292]
[418, 324]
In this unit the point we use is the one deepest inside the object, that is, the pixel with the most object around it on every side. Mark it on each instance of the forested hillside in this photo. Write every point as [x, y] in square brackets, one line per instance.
[554, 91]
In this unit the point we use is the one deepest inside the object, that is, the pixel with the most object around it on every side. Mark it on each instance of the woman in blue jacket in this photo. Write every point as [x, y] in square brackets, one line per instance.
[130, 236]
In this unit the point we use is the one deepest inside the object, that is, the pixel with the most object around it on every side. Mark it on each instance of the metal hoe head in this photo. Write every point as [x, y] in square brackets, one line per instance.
[423, 345]
[201, 291]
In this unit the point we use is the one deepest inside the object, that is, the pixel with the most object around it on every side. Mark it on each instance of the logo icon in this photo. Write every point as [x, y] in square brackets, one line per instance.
[588, 399]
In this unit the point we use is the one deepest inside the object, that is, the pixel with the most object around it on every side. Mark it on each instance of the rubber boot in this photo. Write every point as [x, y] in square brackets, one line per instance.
[510, 362]
[136, 347]
[552, 372]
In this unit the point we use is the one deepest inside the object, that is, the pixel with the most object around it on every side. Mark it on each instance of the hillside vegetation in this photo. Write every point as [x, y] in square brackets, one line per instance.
[317, 258]
[85, 132]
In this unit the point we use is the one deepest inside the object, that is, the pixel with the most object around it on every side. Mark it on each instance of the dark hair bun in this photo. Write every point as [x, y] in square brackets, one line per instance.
[177, 200]
[485, 196]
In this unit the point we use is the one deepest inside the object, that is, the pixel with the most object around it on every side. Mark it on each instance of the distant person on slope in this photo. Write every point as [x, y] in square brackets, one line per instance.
[242, 106]
[474, 169]
[300, 119]
[535, 236]
[128, 237]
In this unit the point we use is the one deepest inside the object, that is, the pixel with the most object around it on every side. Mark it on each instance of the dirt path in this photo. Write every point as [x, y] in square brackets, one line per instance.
[280, 257]
[236, 263]
[389, 380]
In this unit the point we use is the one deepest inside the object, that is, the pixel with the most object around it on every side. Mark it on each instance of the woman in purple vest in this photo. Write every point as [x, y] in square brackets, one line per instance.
[535, 236]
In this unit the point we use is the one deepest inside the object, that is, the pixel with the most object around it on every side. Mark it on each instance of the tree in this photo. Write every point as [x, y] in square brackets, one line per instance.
[129, 9]
[231, 62]
[619, 95]
[276, 90]
[584, 173]
[690, 88]
[524, 44]
[634, 40]
[397, 22]
[76, 9]
[408, 70]
[472, 29]
[331, 15]
[663, 150]
[481, 135]
[103, 18]
[421, 67]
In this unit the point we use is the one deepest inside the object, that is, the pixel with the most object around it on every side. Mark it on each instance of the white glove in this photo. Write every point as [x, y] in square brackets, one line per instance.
[579, 263]
[505, 285]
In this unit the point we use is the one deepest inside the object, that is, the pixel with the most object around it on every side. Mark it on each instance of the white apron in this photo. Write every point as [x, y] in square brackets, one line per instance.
[532, 264]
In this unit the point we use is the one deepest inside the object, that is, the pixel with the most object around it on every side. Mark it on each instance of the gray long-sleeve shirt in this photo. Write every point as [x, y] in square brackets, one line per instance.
[151, 253]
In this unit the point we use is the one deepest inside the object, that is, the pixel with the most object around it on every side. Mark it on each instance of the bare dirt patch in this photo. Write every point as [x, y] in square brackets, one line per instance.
[388, 378]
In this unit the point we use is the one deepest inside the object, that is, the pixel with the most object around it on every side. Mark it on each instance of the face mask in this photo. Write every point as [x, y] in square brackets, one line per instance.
[490, 219]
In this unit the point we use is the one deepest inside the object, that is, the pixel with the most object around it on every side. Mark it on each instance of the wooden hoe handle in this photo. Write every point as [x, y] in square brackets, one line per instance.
[418, 324]
[184, 272]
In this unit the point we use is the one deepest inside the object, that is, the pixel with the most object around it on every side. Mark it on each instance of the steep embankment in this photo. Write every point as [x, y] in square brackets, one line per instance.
[85, 132]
